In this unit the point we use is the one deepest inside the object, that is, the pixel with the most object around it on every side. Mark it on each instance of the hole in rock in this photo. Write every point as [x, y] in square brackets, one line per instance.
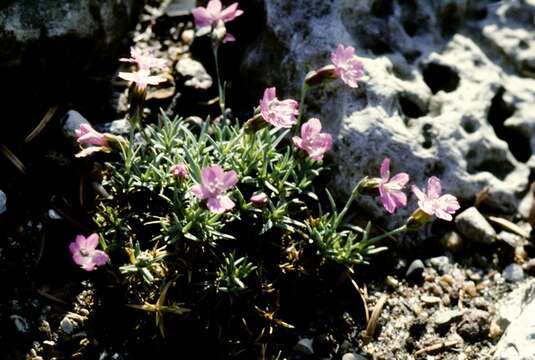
[382, 8]
[523, 44]
[469, 125]
[440, 77]
[410, 108]
[497, 167]
[411, 55]
[410, 26]
[499, 111]
[428, 136]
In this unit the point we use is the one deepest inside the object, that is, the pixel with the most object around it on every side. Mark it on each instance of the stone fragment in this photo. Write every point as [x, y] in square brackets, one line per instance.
[475, 325]
[194, 72]
[71, 122]
[304, 346]
[415, 270]
[3, 202]
[515, 316]
[513, 273]
[474, 227]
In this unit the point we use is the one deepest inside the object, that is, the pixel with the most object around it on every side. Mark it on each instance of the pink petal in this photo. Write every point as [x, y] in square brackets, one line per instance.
[219, 204]
[229, 38]
[434, 189]
[214, 7]
[298, 142]
[230, 178]
[202, 17]
[449, 203]
[199, 191]
[311, 127]
[100, 258]
[74, 247]
[419, 193]
[400, 198]
[92, 241]
[386, 199]
[399, 180]
[230, 13]
[441, 214]
[385, 169]
[270, 94]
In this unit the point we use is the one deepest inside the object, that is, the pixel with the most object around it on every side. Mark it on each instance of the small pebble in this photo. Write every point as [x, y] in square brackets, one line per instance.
[441, 264]
[513, 273]
[391, 281]
[474, 227]
[445, 317]
[430, 299]
[509, 238]
[20, 323]
[474, 325]
[353, 356]
[304, 346]
[67, 325]
[469, 288]
[452, 242]
[415, 270]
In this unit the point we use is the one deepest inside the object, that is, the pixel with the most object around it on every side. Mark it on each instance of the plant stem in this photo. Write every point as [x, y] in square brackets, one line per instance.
[219, 84]
[400, 229]
[354, 194]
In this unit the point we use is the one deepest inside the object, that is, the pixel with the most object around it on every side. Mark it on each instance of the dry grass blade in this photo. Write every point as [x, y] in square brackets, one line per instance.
[374, 318]
[11, 157]
[507, 225]
[436, 346]
[364, 300]
[46, 119]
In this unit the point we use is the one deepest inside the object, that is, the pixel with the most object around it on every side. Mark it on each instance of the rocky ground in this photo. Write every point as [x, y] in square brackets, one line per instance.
[453, 292]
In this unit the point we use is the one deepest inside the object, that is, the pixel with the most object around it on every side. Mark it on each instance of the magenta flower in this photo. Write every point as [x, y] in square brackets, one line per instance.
[142, 78]
[143, 61]
[347, 66]
[281, 114]
[433, 203]
[84, 252]
[180, 171]
[85, 134]
[214, 12]
[390, 189]
[259, 199]
[214, 183]
[312, 140]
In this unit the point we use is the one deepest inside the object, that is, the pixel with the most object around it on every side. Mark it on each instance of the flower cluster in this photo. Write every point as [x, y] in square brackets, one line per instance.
[432, 202]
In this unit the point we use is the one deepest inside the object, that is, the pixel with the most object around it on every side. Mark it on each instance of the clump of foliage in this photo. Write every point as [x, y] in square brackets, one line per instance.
[214, 223]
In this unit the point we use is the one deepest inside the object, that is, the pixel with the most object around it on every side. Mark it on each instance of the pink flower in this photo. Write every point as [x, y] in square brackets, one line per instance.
[84, 252]
[214, 12]
[390, 189]
[142, 78]
[144, 62]
[259, 199]
[180, 171]
[314, 142]
[281, 114]
[347, 66]
[214, 183]
[434, 204]
[85, 134]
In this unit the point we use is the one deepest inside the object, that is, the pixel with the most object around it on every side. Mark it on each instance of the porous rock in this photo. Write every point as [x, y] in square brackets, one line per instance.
[432, 100]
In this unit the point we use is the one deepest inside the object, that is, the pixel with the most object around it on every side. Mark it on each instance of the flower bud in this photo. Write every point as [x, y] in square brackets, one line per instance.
[417, 219]
[369, 186]
[259, 200]
[180, 171]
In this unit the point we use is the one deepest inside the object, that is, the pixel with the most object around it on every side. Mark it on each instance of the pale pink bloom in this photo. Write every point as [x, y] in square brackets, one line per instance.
[433, 203]
[312, 140]
[214, 183]
[84, 252]
[390, 189]
[279, 113]
[214, 12]
[143, 61]
[347, 66]
[180, 171]
[142, 78]
[85, 134]
[259, 199]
